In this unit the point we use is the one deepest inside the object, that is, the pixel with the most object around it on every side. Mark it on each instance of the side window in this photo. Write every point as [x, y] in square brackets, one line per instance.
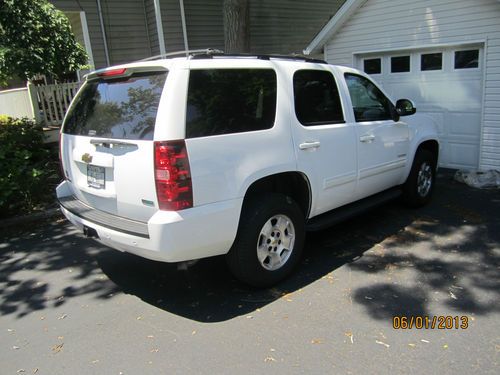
[369, 103]
[225, 101]
[317, 99]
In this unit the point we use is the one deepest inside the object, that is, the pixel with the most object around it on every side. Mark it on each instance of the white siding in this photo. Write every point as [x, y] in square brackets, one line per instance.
[392, 24]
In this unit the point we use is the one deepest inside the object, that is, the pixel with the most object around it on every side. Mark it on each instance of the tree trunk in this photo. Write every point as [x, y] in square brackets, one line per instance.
[236, 35]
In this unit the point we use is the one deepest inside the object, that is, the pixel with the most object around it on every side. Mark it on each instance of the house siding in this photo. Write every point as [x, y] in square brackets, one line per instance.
[126, 30]
[149, 8]
[393, 24]
[287, 26]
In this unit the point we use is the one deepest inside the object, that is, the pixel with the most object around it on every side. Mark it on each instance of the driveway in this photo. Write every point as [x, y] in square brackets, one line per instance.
[72, 306]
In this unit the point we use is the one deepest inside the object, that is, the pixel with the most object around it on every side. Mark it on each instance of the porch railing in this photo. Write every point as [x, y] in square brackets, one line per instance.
[50, 102]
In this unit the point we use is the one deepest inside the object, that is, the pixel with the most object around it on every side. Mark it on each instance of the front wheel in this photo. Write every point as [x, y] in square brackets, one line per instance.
[269, 242]
[418, 188]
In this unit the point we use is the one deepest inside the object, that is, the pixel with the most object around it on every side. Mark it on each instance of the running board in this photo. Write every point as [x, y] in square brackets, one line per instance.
[352, 209]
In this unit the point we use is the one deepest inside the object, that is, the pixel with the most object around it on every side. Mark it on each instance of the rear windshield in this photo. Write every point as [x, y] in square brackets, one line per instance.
[120, 108]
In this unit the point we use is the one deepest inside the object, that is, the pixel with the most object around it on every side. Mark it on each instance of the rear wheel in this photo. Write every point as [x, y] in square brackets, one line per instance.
[269, 242]
[418, 188]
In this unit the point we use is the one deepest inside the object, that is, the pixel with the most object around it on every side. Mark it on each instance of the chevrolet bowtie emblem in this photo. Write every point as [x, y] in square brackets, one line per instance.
[87, 158]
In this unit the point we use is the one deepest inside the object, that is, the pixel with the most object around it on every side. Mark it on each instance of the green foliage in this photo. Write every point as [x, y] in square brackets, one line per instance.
[28, 168]
[36, 38]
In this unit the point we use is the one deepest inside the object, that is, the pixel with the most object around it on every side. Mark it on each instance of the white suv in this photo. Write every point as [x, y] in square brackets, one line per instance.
[185, 158]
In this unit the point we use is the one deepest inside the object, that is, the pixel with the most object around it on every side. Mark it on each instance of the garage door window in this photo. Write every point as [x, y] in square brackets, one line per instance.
[431, 61]
[400, 64]
[467, 59]
[372, 66]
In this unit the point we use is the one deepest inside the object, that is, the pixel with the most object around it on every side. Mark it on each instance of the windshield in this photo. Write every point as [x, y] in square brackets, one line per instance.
[122, 108]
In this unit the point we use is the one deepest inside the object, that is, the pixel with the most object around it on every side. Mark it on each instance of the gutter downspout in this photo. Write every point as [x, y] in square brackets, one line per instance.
[159, 27]
[184, 29]
[106, 52]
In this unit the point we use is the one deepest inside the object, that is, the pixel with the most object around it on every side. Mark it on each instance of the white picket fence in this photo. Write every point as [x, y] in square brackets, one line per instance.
[52, 101]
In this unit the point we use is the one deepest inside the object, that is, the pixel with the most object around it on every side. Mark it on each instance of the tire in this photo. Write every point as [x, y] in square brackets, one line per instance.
[419, 186]
[269, 242]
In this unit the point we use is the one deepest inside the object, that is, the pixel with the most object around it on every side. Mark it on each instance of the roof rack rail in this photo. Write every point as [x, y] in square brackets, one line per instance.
[187, 53]
[215, 53]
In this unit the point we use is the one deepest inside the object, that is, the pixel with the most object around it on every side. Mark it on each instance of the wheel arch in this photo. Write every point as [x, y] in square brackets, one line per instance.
[292, 183]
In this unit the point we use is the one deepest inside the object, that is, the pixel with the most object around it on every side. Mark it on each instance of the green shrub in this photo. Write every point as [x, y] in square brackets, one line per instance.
[29, 169]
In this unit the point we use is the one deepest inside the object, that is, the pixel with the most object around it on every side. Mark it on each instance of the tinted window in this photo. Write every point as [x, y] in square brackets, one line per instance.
[372, 66]
[400, 64]
[119, 108]
[317, 98]
[431, 61]
[369, 103]
[222, 101]
[467, 59]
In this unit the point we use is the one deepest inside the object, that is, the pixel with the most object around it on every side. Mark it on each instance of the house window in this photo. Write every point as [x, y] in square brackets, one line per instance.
[431, 61]
[372, 66]
[400, 64]
[317, 99]
[467, 59]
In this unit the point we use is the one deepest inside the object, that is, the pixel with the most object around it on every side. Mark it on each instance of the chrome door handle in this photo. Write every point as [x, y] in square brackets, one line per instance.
[367, 138]
[308, 145]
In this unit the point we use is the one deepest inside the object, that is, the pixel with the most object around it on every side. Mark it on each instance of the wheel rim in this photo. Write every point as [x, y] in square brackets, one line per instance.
[424, 180]
[275, 242]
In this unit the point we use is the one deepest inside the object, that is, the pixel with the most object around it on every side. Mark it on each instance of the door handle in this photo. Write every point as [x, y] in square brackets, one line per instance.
[367, 138]
[308, 145]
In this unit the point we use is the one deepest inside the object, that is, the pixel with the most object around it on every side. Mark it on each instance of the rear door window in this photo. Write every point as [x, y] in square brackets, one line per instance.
[225, 101]
[123, 108]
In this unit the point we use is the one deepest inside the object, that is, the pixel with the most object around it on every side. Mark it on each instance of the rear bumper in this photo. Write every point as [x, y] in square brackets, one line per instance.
[169, 236]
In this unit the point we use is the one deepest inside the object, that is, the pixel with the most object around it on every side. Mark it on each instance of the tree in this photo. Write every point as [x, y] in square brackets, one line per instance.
[236, 24]
[36, 38]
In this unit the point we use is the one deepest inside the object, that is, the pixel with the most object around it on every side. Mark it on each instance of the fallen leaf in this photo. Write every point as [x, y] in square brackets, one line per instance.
[350, 335]
[156, 350]
[57, 348]
[316, 341]
[95, 361]
[382, 343]
[272, 350]
[150, 336]
[139, 318]
[193, 333]
[269, 359]
[445, 346]
[249, 317]
[412, 345]
[60, 337]
[10, 330]
[20, 370]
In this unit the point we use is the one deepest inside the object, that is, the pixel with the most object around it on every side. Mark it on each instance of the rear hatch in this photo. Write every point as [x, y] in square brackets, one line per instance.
[107, 147]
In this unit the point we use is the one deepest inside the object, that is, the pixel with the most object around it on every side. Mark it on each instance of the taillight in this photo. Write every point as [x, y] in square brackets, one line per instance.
[172, 176]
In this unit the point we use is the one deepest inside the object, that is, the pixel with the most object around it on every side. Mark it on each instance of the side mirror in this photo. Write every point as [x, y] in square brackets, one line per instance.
[405, 107]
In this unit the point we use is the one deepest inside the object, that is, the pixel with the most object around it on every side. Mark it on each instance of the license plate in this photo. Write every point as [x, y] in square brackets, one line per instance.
[96, 176]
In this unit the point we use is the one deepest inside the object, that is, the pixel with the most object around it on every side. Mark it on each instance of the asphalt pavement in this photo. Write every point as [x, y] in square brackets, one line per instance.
[69, 305]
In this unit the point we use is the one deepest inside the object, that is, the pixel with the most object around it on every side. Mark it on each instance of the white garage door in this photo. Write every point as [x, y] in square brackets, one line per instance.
[446, 86]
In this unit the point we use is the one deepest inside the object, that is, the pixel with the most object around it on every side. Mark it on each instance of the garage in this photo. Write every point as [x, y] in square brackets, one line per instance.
[445, 56]
[446, 85]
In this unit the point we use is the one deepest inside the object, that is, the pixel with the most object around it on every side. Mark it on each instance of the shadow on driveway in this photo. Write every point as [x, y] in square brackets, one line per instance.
[451, 247]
